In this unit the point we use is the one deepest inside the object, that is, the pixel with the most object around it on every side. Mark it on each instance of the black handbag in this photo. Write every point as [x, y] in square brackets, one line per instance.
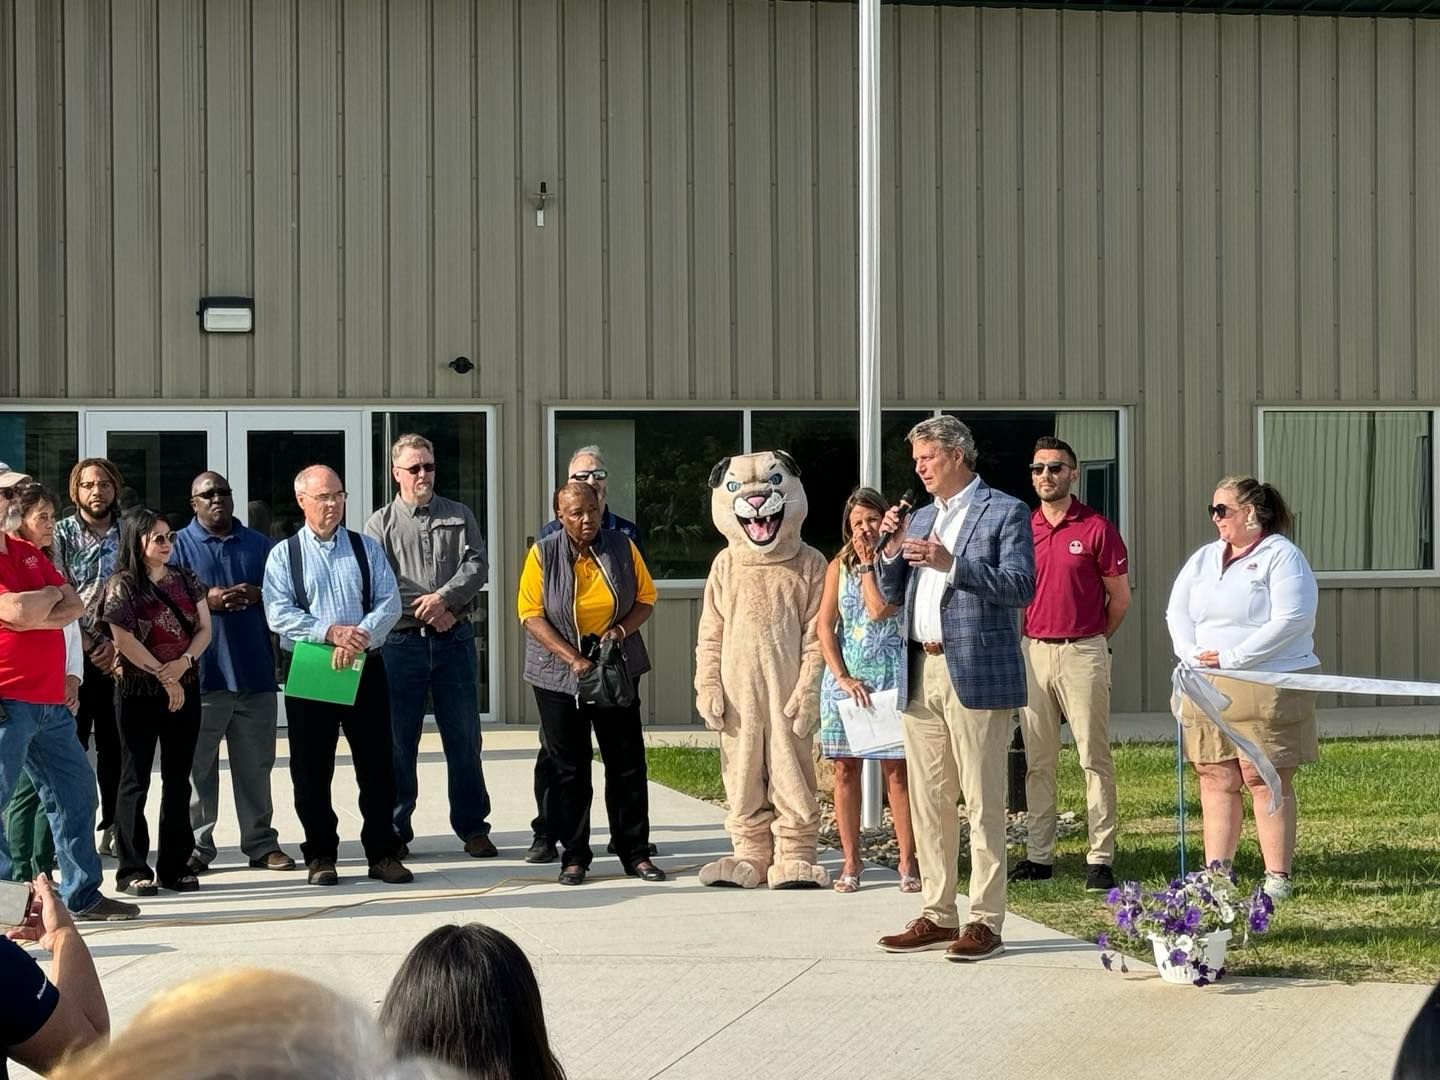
[609, 684]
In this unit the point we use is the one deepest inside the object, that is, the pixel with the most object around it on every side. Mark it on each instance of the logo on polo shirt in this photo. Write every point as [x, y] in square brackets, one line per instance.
[1253, 566]
[31, 562]
[1076, 547]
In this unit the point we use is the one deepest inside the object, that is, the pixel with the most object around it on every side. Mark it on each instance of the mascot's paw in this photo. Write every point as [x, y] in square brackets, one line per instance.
[711, 708]
[797, 874]
[732, 873]
[806, 725]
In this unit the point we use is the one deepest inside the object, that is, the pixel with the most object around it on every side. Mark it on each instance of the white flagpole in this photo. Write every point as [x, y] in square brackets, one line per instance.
[868, 104]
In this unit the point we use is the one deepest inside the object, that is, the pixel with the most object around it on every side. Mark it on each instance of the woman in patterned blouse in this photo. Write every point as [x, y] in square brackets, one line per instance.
[161, 624]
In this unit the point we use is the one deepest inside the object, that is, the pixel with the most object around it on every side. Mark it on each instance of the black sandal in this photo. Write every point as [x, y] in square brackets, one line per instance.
[140, 887]
[188, 883]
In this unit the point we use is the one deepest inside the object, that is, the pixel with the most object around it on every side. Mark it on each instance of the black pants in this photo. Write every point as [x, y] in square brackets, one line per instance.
[98, 710]
[145, 720]
[565, 735]
[314, 729]
[544, 781]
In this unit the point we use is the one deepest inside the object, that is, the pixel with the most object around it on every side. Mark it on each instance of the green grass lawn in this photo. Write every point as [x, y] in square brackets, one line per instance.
[1367, 868]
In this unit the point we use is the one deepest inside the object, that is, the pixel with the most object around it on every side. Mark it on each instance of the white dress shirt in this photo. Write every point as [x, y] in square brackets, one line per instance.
[930, 584]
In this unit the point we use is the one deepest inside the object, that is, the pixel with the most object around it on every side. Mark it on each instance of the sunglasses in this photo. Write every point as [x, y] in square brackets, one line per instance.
[585, 474]
[162, 538]
[213, 493]
[1220, 511]
[416, 470]
[1054, 468]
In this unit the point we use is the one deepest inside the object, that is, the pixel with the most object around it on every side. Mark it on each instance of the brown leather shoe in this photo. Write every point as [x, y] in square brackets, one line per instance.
[976, 942]
[920, 935]
[480, 847]
[392, 872]
[276, 860]
[322, 872]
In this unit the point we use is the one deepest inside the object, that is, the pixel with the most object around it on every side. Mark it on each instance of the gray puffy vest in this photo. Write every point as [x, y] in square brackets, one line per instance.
[611, 550]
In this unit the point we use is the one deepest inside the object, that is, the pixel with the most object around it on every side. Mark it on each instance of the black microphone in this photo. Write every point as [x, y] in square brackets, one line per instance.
[904, 506]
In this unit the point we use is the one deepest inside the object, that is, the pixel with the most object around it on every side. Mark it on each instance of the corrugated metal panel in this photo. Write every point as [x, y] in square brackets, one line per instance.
[794, 203]
[754, 281]
[1121, 151]
[712, 218]
[667, 220]
[409, 210]
[1278, 284]
[670, 640]
[836, 132]
[276, 190]
[1319, 302]
[452, 96]
[321, 254]
[89, 290]
[136, 138]
[1078, 368]
[1040, 240]
[1000, 210]
[9, 170]
[959, 221]
[580, 212]
[626, 176]
[365, 312]
[1427, 214]
[228, 192]
[498, 199]
[916, 204]
[184, 369]
[1394, 286]
[1355, 153]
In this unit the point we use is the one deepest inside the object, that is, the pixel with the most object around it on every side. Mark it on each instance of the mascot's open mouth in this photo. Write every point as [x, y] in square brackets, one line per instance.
[761, 523]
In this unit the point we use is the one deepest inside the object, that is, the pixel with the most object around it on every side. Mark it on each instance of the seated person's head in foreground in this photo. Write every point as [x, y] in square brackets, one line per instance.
[467, 996]
[248, 1024]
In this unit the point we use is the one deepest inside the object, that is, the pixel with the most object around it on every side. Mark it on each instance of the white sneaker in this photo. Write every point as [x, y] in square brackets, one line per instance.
[1278, 886]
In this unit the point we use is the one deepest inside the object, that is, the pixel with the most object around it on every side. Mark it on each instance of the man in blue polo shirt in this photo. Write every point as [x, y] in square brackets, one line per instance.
[237, 677]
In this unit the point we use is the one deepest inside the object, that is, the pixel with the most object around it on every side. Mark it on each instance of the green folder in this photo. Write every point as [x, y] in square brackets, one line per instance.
[312, 677]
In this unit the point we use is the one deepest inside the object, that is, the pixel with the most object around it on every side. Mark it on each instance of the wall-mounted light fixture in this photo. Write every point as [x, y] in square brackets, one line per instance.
[226, 314]
[540, 197]
[461, 365]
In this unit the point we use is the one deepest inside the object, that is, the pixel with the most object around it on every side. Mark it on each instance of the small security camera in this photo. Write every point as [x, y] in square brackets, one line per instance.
[462, 365]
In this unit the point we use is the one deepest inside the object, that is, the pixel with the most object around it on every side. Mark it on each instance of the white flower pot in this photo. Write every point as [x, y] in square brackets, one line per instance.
[1212, 949]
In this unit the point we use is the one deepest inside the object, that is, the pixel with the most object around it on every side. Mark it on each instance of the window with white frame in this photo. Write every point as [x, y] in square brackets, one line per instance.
[44, 445]
[659, 461]
[1359, 483]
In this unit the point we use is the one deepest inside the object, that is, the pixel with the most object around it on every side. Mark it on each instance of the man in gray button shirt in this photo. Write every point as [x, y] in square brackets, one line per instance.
[437, 552]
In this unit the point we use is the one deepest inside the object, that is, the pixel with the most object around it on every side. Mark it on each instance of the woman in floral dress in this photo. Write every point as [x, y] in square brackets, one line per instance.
[864, 646]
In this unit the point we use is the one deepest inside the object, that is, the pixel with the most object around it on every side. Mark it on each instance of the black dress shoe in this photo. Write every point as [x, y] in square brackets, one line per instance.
[646, 870]
[610, 849]
[541, 851]
[573, 875]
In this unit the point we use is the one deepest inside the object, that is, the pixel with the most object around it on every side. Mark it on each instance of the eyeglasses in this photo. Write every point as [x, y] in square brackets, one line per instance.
[213, 494]
[1220, 510]
[95, 485]
[326, 498]
[162, 538]
[416, 470]
[1054, 468]
[585, 474]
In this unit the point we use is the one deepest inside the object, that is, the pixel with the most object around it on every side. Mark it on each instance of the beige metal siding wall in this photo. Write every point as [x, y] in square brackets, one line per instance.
[1185, 214]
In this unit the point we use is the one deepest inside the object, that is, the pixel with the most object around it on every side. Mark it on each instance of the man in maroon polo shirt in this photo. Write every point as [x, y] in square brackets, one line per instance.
[1081, 593]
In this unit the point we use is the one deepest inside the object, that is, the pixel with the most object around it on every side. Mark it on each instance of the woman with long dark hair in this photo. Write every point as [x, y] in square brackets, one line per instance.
[466, 996]
[864, 645]
[160, 622]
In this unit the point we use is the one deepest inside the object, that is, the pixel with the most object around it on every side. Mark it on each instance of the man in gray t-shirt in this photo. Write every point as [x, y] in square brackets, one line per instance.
[436, 549]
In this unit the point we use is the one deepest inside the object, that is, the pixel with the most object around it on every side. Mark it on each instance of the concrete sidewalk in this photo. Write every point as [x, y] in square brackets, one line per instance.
[678, 981]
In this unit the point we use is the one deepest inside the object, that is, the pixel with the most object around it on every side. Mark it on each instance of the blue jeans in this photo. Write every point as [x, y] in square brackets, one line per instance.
[41, 739]
[446, 664]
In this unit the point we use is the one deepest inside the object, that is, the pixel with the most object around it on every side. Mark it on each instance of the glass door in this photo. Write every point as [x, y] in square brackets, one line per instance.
[159, 453]
[267, 448]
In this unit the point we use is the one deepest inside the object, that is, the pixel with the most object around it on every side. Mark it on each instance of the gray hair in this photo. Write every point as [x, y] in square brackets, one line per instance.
[949, 432]
[410, 442]
[590, 451]
[302, 478]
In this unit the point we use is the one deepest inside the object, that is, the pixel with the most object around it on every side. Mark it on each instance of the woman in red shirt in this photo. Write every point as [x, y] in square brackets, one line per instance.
[161, 624]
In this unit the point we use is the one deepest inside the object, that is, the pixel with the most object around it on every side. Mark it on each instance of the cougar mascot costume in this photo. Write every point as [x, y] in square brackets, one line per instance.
[757, 672]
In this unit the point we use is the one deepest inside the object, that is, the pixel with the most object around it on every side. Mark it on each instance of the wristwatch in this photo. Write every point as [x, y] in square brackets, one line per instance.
[864, 568]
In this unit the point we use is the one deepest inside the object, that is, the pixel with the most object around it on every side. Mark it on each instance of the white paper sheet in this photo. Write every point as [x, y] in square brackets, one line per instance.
[875, 728]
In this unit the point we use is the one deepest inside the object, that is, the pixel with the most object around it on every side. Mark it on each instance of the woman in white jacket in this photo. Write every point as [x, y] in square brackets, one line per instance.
[1247, 601]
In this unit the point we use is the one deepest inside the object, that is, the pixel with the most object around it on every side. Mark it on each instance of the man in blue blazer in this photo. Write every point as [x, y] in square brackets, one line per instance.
[962, 573]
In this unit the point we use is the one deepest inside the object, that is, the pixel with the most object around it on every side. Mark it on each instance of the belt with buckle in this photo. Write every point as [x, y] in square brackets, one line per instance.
[422, 631]
[929, 648]
[1063, 640]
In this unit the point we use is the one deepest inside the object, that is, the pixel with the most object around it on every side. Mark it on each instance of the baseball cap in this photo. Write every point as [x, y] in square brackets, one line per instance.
[10, 477]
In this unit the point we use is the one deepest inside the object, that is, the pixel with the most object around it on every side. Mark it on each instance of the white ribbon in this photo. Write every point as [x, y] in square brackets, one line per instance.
[1190, 681]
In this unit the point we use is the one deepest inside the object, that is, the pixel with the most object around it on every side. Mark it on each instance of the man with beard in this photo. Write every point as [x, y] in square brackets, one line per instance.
[237, 677]
[1081, 593]
[436, 549]
[85, 548]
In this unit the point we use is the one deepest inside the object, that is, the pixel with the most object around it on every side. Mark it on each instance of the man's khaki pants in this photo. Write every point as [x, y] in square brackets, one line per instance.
[1073, 678]
[949, 751]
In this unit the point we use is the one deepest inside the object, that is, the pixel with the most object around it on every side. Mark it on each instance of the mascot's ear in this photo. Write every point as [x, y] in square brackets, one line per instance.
[786, 460]
[718, 473]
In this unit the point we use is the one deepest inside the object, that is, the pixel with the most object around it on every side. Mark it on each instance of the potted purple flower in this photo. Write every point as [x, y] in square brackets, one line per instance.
[1189, 922]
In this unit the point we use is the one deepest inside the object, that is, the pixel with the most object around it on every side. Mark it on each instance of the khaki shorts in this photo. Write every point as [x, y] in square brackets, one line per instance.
[1280, 722]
